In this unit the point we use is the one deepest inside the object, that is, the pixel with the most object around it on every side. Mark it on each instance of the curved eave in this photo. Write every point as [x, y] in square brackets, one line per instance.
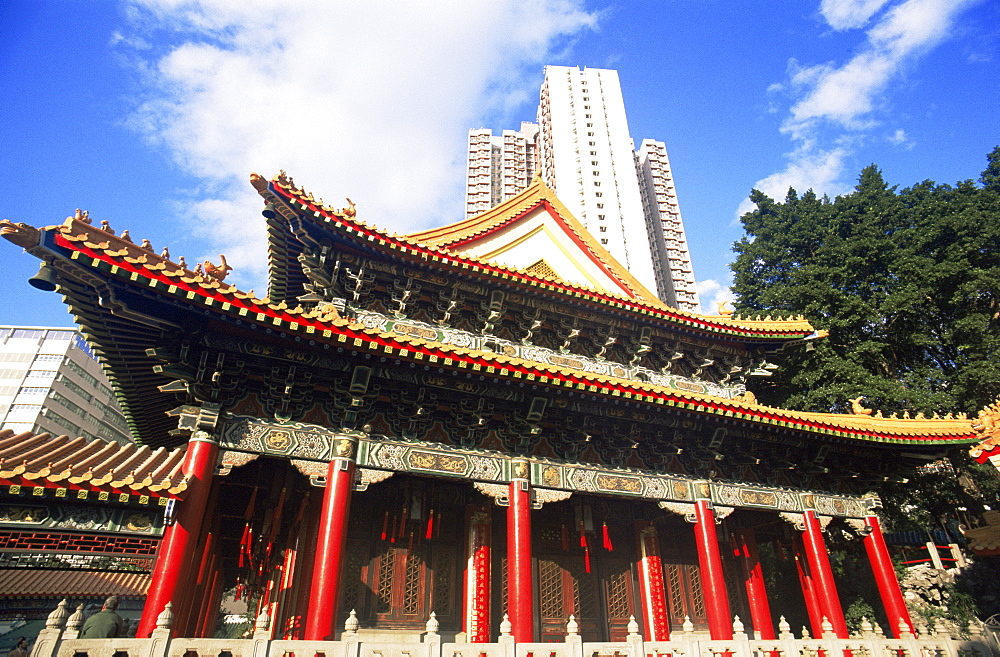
[372, 239]
[207, 294]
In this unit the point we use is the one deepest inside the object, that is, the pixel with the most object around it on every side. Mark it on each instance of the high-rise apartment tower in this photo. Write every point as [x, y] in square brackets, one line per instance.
[583, 149]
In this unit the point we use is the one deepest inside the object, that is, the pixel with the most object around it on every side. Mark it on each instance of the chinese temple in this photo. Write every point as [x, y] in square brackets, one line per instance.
[493, 418]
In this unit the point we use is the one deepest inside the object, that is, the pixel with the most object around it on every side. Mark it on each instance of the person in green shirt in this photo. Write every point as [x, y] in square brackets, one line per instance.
[106, 623]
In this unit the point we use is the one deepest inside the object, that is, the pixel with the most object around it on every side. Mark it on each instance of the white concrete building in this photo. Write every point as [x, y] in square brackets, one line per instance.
[674, 282]
[499, 167]
[585, 154]
[50, 381]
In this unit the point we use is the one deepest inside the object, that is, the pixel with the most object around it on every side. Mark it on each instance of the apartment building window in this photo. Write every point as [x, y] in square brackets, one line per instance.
[604, 240]
[590, 125]
[601, 217]
[592, 143]
[594, 162]
[598, 194]
[597, 183]
[589, 116]
[604, 229]
[600, 206]
[590, 134]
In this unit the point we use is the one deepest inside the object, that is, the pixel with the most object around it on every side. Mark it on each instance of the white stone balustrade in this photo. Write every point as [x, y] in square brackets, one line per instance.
[58, 639]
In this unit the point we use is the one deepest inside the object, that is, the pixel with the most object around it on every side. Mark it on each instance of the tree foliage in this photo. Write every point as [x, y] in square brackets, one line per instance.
[906, 282]
[908, 285]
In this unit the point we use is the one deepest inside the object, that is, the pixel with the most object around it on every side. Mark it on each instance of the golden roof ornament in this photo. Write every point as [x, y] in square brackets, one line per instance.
[857, 408]
[218, 273]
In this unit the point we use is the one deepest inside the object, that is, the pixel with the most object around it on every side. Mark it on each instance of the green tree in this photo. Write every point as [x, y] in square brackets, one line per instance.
[906, 282]
[908, 285]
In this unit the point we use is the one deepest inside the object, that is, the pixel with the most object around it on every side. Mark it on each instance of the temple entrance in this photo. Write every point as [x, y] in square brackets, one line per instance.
[403, 555]
[569, 536]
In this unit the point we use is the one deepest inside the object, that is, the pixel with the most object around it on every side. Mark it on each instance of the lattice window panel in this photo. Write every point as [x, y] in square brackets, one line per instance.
[618, 584]
[675, 591]
[412, 583]
[584, 593]
[442, 585]
[697, 595]
[383, 589]
[352, 578]
[550, 589]
[78, 543]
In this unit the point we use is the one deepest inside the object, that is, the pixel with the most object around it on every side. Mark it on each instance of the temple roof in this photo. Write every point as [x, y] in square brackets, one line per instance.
[64, 462]
[533, 223]
[451, 250]
[87, 252]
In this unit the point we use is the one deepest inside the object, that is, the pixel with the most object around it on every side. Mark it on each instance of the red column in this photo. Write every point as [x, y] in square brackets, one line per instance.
[330, 542]
[760, 609]
[822, 574]
[654, 597]
[176, 550]
[885, 577]
[808, 591]
[713, 579]
[520, 597]
[476, 590]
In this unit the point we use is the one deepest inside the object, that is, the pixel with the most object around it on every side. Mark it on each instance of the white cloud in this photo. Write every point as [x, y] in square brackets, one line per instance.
[849, 14]
[845, 94]
[900, 138]
[365, 99]
[808, 168]
[836, 105]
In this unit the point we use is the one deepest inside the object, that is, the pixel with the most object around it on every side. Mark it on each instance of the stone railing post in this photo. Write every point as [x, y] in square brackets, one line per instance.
[159, 639]
[350, 635]
[73, 624]
[574, 642]
[634, 639]
[47, 643]
[262, 634]
[506, 639]
[431, 638]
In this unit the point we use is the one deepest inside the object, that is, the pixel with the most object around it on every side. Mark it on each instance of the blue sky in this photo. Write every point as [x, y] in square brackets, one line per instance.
[151, 114]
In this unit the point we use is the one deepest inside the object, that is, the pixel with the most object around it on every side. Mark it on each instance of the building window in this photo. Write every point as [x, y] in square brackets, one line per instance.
[597, 183]
[593, 162]
[604, 240]
[604, 229]
[590, 125]
[601, 217]
[598, 194]
[590, 134]
[600, 206]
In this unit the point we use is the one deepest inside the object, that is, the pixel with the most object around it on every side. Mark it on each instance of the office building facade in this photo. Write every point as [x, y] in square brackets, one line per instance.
[51, 382]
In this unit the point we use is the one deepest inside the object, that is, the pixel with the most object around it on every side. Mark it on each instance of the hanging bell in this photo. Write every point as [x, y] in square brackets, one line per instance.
[45, 279]
[270, 211]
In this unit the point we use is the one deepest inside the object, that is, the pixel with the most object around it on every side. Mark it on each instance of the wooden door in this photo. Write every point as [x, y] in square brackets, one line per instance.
[565, 589]
[395, 587]
[684, 595]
